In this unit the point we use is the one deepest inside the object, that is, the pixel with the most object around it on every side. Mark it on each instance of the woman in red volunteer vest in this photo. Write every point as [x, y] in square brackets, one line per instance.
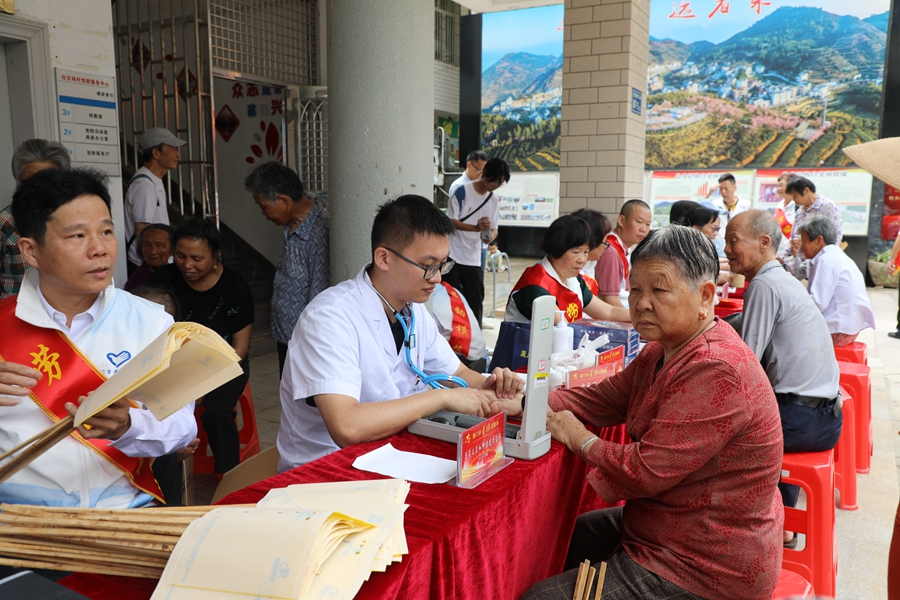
[566, 244]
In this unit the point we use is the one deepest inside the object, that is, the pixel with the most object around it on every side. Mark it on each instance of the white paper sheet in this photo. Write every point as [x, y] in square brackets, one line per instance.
[422, 468]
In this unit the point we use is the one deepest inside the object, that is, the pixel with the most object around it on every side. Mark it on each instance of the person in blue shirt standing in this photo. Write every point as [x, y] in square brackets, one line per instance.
[302, 270]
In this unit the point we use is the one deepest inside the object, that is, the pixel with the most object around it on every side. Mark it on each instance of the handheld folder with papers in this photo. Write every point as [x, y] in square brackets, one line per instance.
[180, 366]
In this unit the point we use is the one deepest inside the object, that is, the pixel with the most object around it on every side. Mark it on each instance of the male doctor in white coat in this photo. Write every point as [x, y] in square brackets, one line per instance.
[348, 379]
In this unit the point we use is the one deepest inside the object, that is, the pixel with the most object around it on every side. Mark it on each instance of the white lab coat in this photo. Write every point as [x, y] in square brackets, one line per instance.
[342, 344]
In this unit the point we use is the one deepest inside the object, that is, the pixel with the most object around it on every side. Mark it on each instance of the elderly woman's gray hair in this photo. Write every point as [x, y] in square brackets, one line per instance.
[692, 253]
[819, 226]
[37, 150]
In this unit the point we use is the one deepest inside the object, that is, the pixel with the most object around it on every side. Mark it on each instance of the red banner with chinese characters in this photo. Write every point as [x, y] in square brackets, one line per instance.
[890, 220]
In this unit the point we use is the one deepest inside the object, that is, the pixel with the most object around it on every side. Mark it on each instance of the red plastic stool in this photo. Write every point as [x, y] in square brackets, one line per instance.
[791, 585]
[856, 379]
[855, 353]
[845, 456]
[204, 461]
[817, 562]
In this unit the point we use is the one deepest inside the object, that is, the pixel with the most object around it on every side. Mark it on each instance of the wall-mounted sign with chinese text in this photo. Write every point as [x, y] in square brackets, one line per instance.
[88, 120]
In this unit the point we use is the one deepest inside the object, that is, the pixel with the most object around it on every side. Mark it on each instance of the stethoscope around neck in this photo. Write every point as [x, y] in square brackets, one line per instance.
[409, 342]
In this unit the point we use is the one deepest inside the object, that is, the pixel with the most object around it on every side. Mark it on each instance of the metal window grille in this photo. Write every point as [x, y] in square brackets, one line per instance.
[312, 141]
[446, 31]
[164, 79]
[272, 39]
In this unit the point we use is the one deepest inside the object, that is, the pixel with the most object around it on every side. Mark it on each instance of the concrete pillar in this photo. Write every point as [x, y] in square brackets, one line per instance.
[605, 51]
[380, 105]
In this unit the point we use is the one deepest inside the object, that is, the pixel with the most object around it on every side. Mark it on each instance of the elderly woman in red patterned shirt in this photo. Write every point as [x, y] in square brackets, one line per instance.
[702, 516]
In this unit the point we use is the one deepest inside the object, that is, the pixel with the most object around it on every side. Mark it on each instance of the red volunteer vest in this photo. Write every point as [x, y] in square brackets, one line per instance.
[566, 300]
[616, 245]
[68, 374]
[592, 284]
[460, 332]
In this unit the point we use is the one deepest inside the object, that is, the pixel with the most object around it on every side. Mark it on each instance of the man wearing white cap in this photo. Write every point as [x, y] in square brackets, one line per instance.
[145, 201]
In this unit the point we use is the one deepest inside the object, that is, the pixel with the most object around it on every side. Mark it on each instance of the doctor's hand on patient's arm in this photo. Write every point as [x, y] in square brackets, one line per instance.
[566, 428]
[111, 423]
[469, 401]
[16, 380]
[504, 382]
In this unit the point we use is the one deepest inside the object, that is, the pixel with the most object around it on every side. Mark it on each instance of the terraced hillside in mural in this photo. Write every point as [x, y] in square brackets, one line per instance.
[789, 91]
[521, 109]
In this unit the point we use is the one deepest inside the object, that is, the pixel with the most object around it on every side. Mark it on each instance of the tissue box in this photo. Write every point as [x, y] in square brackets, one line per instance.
[620, 334]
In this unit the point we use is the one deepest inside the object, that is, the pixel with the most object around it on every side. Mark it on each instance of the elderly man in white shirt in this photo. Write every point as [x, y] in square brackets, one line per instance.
[835, 283]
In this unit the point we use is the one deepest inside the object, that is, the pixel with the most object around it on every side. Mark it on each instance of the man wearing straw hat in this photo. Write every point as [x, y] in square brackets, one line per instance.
[66, 331]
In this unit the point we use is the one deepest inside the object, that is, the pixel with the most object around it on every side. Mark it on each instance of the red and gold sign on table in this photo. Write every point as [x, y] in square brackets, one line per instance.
[481, 452]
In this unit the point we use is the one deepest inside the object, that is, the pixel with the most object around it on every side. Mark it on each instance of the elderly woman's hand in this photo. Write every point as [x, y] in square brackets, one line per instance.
[565, 428]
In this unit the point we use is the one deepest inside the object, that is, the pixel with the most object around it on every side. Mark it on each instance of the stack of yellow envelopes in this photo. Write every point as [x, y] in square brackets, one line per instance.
[303, 541]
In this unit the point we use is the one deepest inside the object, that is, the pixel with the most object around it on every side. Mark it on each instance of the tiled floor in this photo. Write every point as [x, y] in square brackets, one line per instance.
[863, 535]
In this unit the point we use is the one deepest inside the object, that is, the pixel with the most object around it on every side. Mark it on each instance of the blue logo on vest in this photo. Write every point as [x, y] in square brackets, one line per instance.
[119, 359]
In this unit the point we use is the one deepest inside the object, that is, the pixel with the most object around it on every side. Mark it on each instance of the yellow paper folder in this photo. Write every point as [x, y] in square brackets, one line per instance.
[180, 366]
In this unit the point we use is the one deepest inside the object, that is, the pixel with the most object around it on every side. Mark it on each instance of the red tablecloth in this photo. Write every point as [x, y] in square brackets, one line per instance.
[491, 542]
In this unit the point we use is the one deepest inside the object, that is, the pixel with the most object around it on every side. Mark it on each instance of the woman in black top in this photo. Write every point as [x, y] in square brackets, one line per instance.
[218, 297]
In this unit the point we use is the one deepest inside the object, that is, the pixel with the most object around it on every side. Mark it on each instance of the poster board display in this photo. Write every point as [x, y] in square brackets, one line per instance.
[668, 187]
[850, 189]
[530, 199]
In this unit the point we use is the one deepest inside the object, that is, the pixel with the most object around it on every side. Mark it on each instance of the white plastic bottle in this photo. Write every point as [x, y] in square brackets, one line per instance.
[563, 335]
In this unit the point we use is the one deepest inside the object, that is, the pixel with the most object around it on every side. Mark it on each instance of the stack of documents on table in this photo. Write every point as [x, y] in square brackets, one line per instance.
[180, 366]
[319, 540]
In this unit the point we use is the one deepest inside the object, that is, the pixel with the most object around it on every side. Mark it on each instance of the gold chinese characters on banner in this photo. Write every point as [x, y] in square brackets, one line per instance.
[8, 6]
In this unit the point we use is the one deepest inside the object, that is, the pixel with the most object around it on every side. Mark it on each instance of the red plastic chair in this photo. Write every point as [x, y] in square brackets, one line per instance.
[845, 456]
[817, 562]
[791, 585]
[855, 353]
[856, 379]
[204, 461]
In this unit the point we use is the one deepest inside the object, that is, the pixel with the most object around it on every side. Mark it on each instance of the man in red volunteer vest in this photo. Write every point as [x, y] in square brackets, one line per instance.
[66, 331]
[613, 266]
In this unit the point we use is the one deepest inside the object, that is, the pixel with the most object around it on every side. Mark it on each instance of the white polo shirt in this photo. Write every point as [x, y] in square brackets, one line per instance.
[837, 287]
[145, 202]
[343, 344]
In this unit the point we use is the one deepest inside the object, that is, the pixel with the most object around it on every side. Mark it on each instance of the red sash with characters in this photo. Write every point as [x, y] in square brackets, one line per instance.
[616, 244]
[460, 331]
[566, 300]
[592, 284]
[68, 374]
[786, 226]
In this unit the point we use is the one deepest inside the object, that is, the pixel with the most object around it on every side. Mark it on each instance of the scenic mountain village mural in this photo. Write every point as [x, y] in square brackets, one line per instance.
[788, 91]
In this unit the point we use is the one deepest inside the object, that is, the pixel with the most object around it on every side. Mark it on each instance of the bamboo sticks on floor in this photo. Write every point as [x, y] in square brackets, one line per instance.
[134, 543]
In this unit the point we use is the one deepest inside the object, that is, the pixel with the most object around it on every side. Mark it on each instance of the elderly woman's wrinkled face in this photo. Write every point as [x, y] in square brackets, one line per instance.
[156, 248]
[663, 307]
